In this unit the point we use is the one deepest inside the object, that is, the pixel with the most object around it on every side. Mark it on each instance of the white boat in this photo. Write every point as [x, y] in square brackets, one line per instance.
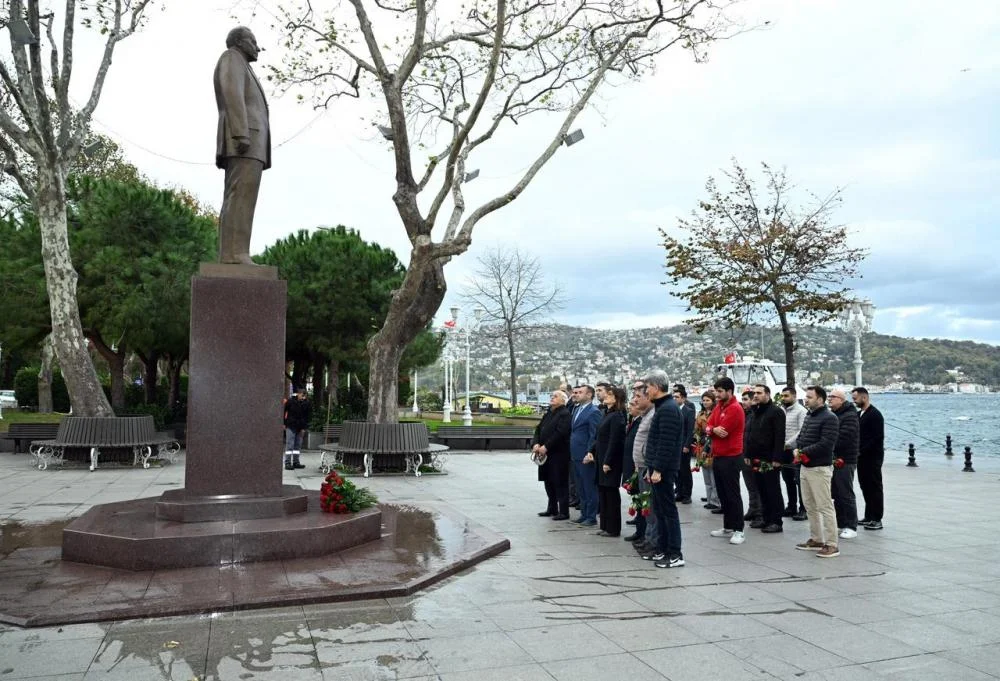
[747, 372]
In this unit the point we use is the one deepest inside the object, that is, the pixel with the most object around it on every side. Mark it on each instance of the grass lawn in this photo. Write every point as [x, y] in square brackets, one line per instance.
[14, 416]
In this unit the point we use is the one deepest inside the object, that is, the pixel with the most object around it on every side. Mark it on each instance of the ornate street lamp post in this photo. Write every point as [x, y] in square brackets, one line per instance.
[857, 319]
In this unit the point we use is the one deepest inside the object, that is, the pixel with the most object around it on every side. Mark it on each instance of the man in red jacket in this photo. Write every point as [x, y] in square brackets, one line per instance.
[725, 428]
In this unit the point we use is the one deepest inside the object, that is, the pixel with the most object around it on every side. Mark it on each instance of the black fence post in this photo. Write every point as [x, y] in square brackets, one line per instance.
[947, 445]
[968, 461]
[912, 463]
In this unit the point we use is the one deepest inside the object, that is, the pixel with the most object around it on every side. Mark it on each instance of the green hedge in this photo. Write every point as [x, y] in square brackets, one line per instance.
[26, 389]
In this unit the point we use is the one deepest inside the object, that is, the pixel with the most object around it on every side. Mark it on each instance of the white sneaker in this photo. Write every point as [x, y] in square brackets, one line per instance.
[737, 538]
[848, 533]
[721, 533]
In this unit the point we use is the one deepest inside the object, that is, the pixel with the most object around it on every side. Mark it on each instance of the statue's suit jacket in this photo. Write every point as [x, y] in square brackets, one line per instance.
[242, 110]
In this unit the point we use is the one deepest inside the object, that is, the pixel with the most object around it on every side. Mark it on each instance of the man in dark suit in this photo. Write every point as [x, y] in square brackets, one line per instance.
[586, 419]
[243, 143]
[685, 482]
[871, 454]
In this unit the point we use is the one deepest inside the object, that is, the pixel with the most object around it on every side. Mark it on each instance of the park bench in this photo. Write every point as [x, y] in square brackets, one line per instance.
[332, 432]
[108, 435]
[397, 447]
[486, 437]
[26, 432]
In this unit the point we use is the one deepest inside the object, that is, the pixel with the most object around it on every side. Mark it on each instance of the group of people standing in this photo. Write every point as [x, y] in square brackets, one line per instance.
[813, 450]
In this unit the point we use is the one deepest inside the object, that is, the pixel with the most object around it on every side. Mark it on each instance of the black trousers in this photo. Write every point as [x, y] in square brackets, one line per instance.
[870, 479]
[788, 474]
[685, 483]
[727, 470]
[609, 506]
[558, 497]
[753, 496]
[844, 501]
[771, 503]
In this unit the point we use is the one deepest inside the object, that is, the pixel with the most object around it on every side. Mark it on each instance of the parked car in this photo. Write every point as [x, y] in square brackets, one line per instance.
[7, 399]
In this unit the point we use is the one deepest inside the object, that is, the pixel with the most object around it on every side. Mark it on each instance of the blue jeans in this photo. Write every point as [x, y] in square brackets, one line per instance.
[665, 510]
[586, 489]
[293, 440]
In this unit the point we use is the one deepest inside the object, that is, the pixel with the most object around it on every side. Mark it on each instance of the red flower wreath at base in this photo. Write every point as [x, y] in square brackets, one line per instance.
[337, 495]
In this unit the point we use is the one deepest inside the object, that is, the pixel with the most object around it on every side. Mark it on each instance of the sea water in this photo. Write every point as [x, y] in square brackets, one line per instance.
[972, 420]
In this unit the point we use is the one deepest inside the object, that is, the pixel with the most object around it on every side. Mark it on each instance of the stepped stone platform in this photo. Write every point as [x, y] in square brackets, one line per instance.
[413, 548]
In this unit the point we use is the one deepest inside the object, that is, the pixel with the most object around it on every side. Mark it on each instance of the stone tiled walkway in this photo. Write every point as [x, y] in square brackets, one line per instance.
[919, 600]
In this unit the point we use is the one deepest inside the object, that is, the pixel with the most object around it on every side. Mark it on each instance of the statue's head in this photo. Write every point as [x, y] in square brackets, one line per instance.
[242, 38]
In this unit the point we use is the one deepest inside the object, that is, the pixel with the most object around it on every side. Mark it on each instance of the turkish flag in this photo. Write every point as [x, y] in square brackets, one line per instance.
[730, 358]
[450, 323]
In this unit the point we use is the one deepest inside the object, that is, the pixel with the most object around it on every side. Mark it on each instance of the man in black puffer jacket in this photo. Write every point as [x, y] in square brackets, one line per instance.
[765, 446]
[814, 450]
[663, 455]
[846, 449]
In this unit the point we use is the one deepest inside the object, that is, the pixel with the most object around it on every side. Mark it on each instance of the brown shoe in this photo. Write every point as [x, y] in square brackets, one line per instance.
[810, 545]
[828, 551]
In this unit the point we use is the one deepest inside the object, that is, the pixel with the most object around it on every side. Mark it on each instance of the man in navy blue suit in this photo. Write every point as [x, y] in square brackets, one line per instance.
[586, 419]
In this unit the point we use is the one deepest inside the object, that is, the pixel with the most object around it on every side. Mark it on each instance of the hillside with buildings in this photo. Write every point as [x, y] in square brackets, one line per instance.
[550, 354]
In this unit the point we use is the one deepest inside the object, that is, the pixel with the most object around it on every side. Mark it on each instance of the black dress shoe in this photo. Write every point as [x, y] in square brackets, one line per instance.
[288, 467]
[704, 498]
[560, 516]
[756, 524]
[750, 516]
[686, 500]
[712, 507]
[801, 515]
[717, 511]
[788, 513]
[634, 537]
[546, 514]
[602, 533]
[630, 522]
[298, 465]
[772, 528]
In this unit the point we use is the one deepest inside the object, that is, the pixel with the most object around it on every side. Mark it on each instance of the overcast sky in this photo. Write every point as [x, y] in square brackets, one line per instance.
[894, 100]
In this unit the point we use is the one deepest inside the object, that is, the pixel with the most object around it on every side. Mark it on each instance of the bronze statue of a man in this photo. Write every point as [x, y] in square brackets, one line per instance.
[243, 146]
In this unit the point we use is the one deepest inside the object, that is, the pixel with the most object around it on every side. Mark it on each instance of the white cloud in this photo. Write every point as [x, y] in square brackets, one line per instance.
[867, 95]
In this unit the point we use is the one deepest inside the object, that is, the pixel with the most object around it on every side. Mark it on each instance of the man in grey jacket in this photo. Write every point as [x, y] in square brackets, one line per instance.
[649, 533]
[795, 415]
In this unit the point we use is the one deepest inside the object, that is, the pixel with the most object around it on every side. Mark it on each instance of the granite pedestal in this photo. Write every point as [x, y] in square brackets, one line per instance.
[233, 507]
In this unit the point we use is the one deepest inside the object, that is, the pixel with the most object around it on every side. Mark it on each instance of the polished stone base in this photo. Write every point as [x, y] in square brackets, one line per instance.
[129, 535]
[419, 546]
[180, 506]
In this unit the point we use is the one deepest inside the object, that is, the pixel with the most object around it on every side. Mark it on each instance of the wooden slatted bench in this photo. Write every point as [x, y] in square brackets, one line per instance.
[332, 432]
[382, 446]
[486, 437]
[27, 432]
[82, 433]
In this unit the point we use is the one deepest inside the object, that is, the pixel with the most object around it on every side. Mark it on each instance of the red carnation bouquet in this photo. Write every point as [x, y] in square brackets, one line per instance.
[838, 462]
[640, 500]
[337, 495]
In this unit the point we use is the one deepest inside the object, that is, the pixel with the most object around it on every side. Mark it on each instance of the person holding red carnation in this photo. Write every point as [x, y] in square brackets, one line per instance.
[814, 450]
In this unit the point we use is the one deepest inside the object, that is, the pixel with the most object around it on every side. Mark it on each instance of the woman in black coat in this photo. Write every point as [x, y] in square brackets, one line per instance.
[552, 440]
[609, 453]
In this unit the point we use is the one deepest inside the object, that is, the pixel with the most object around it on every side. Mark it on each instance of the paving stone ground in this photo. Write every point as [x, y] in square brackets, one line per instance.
[918, 600]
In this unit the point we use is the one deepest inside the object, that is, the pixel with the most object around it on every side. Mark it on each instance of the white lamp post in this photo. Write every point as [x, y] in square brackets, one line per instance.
[416, 377]
[857, 319]
[446, 407]
[467, 328]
